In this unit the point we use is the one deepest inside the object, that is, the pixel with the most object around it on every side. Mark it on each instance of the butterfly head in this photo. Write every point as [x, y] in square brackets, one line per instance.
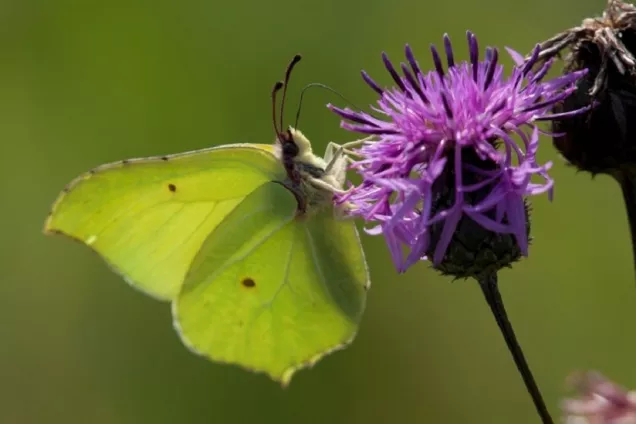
[310, 177]
[297, 146]
[294, 148]
[297, 156]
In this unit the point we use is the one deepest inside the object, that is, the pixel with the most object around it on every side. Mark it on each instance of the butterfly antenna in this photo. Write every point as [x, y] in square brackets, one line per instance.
[326, 87]
[290, 67]
[275, 90]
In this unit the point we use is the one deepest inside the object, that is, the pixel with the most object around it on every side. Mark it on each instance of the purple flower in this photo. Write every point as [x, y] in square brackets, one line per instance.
[445, 150]
[600, 402]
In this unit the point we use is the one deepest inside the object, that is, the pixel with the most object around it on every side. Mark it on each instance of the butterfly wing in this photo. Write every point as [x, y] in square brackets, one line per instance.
[272, 292]
[148, 217]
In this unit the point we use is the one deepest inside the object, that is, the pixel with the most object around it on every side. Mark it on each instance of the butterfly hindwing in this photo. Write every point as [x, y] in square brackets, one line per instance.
[271, 291]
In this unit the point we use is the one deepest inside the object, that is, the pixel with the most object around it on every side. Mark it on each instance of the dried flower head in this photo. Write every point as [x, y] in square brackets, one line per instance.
[453, 159]
[600, 402]
[601, 140]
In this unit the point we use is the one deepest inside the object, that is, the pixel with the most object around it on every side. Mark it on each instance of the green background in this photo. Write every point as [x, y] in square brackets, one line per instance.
[85, 82]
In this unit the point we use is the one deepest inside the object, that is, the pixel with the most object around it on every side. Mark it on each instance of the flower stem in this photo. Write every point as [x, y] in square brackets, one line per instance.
[627, 181]
[489, 287]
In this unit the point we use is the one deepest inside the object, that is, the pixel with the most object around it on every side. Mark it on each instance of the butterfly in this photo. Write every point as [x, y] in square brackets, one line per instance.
[243, 239]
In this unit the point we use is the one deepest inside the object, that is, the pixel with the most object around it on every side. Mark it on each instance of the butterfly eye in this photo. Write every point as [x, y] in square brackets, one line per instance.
[290, 149]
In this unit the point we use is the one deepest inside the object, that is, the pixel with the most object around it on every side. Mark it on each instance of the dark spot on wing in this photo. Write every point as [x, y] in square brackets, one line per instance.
[172, 187]
[125, 162]
[248, 282]
[164, 157]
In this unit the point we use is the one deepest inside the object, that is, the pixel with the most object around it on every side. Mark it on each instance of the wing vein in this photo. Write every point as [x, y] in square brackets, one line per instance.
[189, 236]
[123, 215]
[285, 275]
[260, 243]
[141, 242]
[268, 304]
[229, 263]
[317, 262]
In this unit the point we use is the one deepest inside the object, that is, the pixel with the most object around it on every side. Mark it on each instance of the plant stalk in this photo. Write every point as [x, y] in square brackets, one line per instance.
[627, 181]
[490, 289]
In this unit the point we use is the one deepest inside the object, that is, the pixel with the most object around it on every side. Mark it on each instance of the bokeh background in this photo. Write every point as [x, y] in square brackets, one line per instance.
[85, 82]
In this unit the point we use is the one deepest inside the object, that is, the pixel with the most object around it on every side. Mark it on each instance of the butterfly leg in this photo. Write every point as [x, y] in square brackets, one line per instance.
[318, 183]
[344, 213]
[335, 151]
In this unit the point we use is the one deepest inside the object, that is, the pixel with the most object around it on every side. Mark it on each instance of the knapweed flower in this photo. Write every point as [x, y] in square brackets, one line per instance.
[600, 402]
[444, 177]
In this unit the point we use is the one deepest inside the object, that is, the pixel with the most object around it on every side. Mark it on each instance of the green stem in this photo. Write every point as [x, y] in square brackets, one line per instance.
[490, 289]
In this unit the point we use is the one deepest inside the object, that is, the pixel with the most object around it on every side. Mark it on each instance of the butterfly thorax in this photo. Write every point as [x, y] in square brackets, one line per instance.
[304, 168]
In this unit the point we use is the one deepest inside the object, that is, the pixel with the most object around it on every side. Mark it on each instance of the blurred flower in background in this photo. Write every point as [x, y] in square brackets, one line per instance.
[599, 401]
[446, 178]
